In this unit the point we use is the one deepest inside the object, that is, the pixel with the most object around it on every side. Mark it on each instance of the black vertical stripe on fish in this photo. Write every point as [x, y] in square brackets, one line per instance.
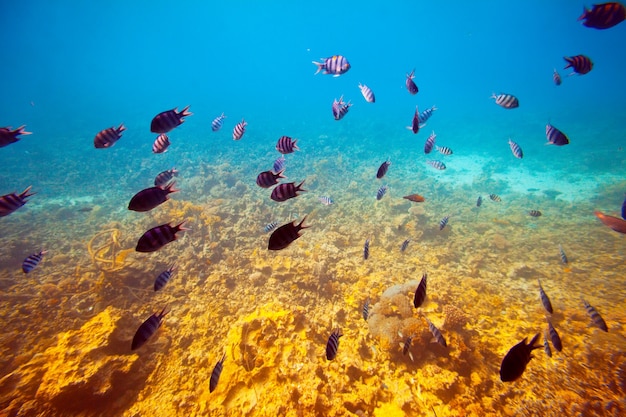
[11, 202]
[366, 309]
[32, 261]
[420, 291]
[554, 337]
[410, 84]
[163, 178]
[406, 346]
[495, 197]
[285, 235]
[405, 245]
[285, 191]
[603, 16]
[161, 143]
[556, 77]
[147, 329]
[382, 169]
[8, 136]
[581, 64]
[430, 143]
[546, 346]
[443, 222]
[544, 299]
[516, 149]
[479, 201]
[168, 120]
[159, 236]
[239, 129]
[555, 136]
[367, 92]
[164, 278]
[381, 192]
[217, 123]
[534, 213]
[516, 359]
[149, 198]
[436, 333]
[596, 318]
[107, 137]
[366, 249]
[215, 375]
[508, 101]
[563, 256]
[286, 145]
[267, 179]
[333, 344]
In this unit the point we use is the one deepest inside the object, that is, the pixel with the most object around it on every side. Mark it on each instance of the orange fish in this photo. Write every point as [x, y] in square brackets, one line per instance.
[416, 198]
[615, 223]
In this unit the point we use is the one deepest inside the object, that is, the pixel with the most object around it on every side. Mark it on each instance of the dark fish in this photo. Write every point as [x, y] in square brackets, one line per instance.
[382, 170]
[479, 201]
[416, 198]
[325, 200]
[555, 136]
[563, 255]
[335, 65]
[515, 148]
[161, 143]
[410, 84]
[215, 375]
[495, 197]
[107, 137]
[436, 333]
[443, 222]
[239, 129]
[544, 299]
[366, 249]
[430, 143]
[405, 245]
[164, 278]
[165, 177]
[556, 77]
[286, 145]
[508, 101]
[217, 123]
[581, 64]
[340, 108]
[546, 346]
[285, 234]
[603, 16]
[381, 192]
[415, 124]
[406, 346]
[534, 213]
[366, 309]
[147, 329]
[368, 94]
[149, 198]
[270, 226]
[11, 202]
[168, 120]
[444, 150]
[279, 164]
[286, 191]
[159, 236]
[554, 337]
[624, 209]
[267, 179]
[615, 223]
[8, 136]
[32, 261]
[436, 164]
[426, 114]
[420, 292]
[516, 359]
[333, 344]
[596, 318]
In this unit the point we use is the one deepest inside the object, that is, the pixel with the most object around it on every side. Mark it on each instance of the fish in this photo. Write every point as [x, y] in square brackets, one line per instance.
[443, 222]
[285, 235]
[11, 202]
[336, 65]
[436, 333]
[147, 329]
[239, 130]
[426, 114]
[479, 201]
[430, 143]
[159, 236]
[603, 16]
[164, 278]
[410, 84]
[215, 374]
[580, 64]
[333, 344]
[436, 164]
[382, 169]
[415, 123]
[267, 179]
[325, 200]
[615, 223]
[286, 145]
[285, 191]
[545, 301]
[168, 120]
[416, 198]
[366, 249]
[161, 143]
[163, 178]
[555, 136]
[405, 245]
[495, 197]
[279, 164]
[554, 337]
[556, 77]
[32, 261]
[534, 213]
[107, 137]
[624, 208]
[367, 92]
[270, 226]
[420, 291]
[564, 259]
[217, 123]
[381, 192]
[546, 346]
[366, 309]
[596, 318]
[508, 101]
[444, 150]
[515, 148]
[149, 198]
[516, 359]
[340, 108]
[406, 346]
[8, 136]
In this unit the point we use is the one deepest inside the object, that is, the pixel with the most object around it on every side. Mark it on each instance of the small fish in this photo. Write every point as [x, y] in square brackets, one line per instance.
[508, 101]
[325, 200]
[534, 213]
[443, 222]
[544, 299]
[416, 198]
[615, 223]
[479, 201]
[270, 227]
[406, 346]
[279, 164]
[580, 64]
[563, 256]
[333, 344]
[367, 92]
[267, 179]
[32, 261]
[546, 346]
[335, 65]
[603, 16]
[215, 375]
[405, 245]
[430, 143]
[239, 130]
[415, 123]
[8, 136]
[164, 278]
[436, 333]
[381, 192]
[217, 123]
[382, 170]
[556, 77]
[11, 202]
[286, 145]
[161, 143]
[426, 114]
[285, 191]
[159, 236]
[515, 148]
[366, 249]
[555, 136]
[366, 309]
[149, 198]
[168, 120]
[495, 197]
[436, 164]
[596, 318]
[285, 235]
[147, 329]
[107, 137]
[444, 150]
[420, 291]
[624, 208]
[554, 337]
[410, 84]
[165, 177]
[515, 361]
[340, 108]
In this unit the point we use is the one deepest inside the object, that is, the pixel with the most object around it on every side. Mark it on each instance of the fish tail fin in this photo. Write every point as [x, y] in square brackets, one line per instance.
[320, 66]
[300, 185]
[20, 131]
[180, 227]
[121, 128]
[493, 95]
[26, 192]
[301, 224]
[170, 187]
[185, 112]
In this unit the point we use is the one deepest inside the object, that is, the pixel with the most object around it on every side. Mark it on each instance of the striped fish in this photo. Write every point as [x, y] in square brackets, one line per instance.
[366, 249]
[556, 77]
[267, 179]
[405, 245]
[367, 92]
[159, 236]
[603, 16]
[366, 309]
[544, 299]
[285, 191]
[149, 198]
[107, 137]
[11, 202]
[495, 197]
[406, 346]
[32, 261]
[8, 136]
[215, 375]
[164, 278]
[410, 84]
[430, 143]
[217, 123]
[279, 164]
[285, 235]
[147, 329]
[563, 256]
[515, 148]
[534, 213]
[161, 143]
[325, 200]
[596, 318]
[436, 164]
[479, 201]
[381, 192]
[270, 226]
[443, 222]
[426, 114]
[420, 291]
[555, 136]
[340, 108]
[508, 101]
[436, 333]
[168, 120]
[444, 150]
[554, 337]
[580, 64]
[335, 65]
[286, 145]
[382, 169]
[546, 346]
[333, 344]
[165, 177]
[239, 130]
